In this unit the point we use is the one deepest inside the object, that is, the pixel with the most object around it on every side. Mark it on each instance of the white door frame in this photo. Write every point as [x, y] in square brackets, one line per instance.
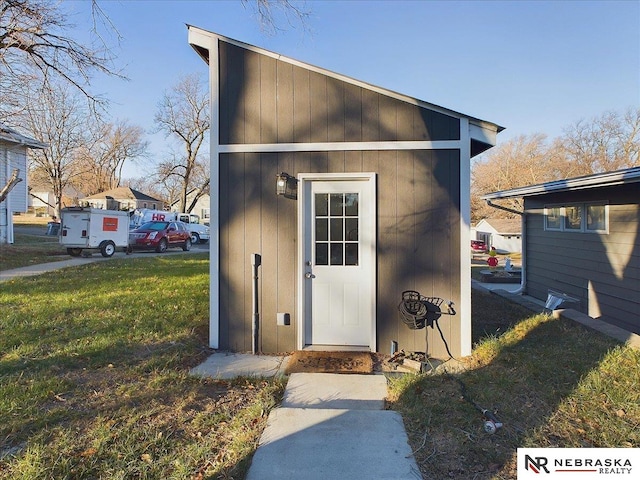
[302, 300]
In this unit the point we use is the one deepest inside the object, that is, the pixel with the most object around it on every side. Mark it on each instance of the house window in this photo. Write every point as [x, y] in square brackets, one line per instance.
[577, 217]
[573, 218]
[597, 220]
[553, 218]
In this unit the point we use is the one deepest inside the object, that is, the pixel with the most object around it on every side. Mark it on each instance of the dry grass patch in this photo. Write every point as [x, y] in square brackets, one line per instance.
[550, 381]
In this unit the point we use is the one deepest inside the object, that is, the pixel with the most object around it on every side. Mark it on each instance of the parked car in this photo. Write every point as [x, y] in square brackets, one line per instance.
[159, 236]
[478, 246]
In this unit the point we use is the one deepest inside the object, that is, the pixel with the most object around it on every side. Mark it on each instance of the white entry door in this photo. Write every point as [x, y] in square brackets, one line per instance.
[339, 262]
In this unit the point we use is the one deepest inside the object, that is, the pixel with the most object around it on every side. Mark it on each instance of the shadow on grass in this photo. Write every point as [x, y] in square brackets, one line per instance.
[523, 376]
[94, 377]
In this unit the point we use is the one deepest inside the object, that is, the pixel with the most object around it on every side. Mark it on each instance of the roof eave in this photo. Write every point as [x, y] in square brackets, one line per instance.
[618, 177]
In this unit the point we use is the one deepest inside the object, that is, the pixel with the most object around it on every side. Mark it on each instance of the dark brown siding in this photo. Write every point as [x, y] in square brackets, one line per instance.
[312, 107]
[602, 270]
[418, 246]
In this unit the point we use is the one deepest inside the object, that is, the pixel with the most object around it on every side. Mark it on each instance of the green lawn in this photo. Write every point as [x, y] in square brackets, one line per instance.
[31, 250]
[94, 377]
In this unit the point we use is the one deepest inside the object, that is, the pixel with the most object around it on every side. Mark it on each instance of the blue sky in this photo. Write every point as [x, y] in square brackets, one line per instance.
[530, 66]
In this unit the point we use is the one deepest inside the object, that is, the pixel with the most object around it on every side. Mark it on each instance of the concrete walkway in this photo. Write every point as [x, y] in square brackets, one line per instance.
[41, 268]
[328, 426]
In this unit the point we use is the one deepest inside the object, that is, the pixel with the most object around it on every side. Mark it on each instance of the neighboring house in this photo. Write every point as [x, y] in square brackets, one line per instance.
[504, 234]
[42, 200]
[202, 207]
[13, 155]
[377, 203]
[582, 238]
[122, 198]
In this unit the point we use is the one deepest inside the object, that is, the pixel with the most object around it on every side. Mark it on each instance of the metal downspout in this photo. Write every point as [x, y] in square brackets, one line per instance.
[523, 226]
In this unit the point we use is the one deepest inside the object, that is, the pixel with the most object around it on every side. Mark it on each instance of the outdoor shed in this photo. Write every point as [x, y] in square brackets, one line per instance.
[13, 156]
[376, 202]
[582, 238]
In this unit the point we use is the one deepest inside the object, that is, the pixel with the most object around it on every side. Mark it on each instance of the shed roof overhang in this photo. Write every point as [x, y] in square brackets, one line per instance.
[482, 133]
[606, 179]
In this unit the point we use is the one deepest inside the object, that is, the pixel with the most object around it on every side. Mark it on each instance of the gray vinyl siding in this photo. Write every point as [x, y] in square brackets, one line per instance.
[601, 270]
[17, 154]
[418, 241]
[264, 100]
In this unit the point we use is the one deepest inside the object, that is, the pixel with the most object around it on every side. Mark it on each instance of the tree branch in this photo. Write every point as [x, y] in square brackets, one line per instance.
[13, 181]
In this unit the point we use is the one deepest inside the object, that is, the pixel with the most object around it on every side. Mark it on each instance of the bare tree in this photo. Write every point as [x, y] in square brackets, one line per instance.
[36, 46]
[183, 115]
[606, 143]
[272, 13]
[57, 117]
[603, 144]
[101, 160]
[524, 160]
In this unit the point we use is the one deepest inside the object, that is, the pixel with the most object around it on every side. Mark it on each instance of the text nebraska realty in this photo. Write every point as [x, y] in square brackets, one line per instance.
[616, 466]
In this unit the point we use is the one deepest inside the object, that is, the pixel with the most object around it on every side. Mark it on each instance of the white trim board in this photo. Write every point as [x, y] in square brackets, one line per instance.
[339, 146]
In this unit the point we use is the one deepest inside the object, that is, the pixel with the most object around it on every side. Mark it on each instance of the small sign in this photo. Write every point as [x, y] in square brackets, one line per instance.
[110, 224]
[577, 463]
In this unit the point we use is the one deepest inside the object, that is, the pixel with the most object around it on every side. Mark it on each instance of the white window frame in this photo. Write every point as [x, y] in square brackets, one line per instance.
[605, 230]
[560, 216]
[583, 206]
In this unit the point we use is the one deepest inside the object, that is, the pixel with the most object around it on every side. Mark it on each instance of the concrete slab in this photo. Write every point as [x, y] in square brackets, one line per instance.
[226, 365]
[321, 444]
[330, 390]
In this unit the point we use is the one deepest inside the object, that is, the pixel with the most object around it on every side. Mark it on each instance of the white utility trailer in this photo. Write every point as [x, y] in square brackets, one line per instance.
[84, 228]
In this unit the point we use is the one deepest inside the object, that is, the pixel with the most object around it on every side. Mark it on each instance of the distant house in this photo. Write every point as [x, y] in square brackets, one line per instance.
[42, 200]
[202, 207]
[122, 198]
[502, 233]
[351, 193]
[13, 156]
[582, 238]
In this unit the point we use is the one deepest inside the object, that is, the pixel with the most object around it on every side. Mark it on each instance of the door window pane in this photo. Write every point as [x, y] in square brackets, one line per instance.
[351, 229]
[336, 204]
[351, 254]
[351, 204]
[337, 233]
[322, 254]
[322, 204]
[336, 254]
[322, 230]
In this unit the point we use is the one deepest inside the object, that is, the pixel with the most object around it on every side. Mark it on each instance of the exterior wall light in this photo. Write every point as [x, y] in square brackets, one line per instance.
[287, 186]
